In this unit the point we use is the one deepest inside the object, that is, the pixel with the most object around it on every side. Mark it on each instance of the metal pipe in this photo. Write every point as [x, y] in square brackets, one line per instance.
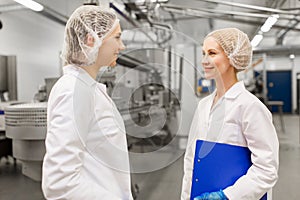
[281, 35]
[54, 15]
[47, 12]
[169, 73]
[260, 8]
[131, 62]
[12, 77]
[213, 11]
[180, 77]
[265, 82]
[131, 21]
[280, 50]
[168, 26]
[195, 14]
[195, 74]
[11, 7]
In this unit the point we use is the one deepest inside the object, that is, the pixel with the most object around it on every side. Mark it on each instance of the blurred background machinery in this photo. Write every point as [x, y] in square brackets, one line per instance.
[159, 79]
[26, 125]
[8, 95]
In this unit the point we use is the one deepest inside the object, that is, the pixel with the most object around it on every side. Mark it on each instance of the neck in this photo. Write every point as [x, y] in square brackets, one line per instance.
[224, 83]
[92, 70]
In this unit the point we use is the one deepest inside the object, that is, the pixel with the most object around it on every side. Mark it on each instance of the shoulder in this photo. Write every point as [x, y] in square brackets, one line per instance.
[69, 89]
[64, 84]
[250, 99]
[69, 84]
[251, 103]
[205, 100]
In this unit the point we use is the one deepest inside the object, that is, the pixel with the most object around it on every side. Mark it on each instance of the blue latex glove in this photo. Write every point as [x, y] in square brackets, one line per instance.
[212, 196]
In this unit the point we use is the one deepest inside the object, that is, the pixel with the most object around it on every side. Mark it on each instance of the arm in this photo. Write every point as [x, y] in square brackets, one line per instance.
[189, 158]
[64, 155]
[262, 141]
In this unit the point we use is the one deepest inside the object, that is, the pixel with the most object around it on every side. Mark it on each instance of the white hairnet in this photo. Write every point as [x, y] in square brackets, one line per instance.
[235, 44]
[86, 20]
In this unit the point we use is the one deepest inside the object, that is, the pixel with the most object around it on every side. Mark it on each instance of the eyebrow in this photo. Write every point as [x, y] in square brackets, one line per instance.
[211, 49]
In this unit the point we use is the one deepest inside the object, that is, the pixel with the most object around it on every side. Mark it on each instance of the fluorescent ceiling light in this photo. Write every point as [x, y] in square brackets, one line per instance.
[256, 40]
[269, 23]
[292, 56]
[31, 4]
[265, 28]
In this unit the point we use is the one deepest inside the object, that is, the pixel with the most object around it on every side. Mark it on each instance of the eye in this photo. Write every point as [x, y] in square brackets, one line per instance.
[212, 53]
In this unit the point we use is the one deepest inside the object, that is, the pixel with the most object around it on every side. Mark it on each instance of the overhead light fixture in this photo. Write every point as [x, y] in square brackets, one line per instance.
[152, 1]
[31, 4]
[269, 23]
[265, 28]
[256, 40]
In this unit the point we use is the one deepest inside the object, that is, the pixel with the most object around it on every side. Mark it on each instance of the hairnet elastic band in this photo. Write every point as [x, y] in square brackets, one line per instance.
[112, 28]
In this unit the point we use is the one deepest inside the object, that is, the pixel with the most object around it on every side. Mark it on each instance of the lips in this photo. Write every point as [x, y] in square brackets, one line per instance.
[208, 68]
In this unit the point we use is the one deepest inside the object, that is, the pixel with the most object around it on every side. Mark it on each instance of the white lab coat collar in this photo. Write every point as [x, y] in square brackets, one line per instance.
[79, 73]
[83, 75]
[232, 93]
[235, 90]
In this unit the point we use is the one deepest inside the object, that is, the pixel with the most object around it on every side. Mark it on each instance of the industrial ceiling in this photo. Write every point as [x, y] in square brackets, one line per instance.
[192, 17]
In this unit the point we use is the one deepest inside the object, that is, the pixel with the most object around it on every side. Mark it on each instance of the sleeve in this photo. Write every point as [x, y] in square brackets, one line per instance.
[63, 161]
[262, 141]
[189, 158]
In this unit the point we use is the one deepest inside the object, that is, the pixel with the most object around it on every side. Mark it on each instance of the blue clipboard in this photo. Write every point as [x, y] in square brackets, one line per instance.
[217, 166]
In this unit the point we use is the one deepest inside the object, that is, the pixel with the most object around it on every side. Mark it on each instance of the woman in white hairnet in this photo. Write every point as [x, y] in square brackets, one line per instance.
[86, 149]
[232, 115]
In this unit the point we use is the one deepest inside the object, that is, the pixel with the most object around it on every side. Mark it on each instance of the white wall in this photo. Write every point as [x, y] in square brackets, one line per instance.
[36, 41]
[189, 100]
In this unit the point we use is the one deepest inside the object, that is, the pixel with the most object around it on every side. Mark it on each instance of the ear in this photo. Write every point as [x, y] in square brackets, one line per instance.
[90, 40]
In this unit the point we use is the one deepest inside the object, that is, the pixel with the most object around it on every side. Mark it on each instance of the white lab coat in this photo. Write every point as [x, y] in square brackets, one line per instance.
[238, 118]
[86, 149]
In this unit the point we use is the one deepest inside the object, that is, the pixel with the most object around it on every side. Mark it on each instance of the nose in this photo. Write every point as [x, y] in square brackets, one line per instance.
[122, 46]
[204, 60]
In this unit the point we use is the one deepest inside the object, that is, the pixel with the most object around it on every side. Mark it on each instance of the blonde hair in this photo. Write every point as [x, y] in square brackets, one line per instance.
[235, 44]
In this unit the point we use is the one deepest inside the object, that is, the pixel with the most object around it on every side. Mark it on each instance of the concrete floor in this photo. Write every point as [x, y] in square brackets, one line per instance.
[166, 183]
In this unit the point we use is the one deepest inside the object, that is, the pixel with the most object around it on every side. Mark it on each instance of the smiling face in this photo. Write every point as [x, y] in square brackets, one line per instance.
[110, 48]
[215, 61]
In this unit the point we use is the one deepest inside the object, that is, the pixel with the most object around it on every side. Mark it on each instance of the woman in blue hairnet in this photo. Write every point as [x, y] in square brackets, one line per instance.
[232, 115]
[86, 149]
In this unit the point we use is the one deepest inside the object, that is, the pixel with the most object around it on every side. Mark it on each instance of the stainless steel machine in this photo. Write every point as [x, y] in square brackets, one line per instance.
[8, 78]
[8, 95]
[143, 94]
[26, 125]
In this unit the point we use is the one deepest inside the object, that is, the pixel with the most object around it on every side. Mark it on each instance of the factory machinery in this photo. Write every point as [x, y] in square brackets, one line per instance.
[148, 105]
[26, 125]
[146, 91]
[8, 96]
[148, 110]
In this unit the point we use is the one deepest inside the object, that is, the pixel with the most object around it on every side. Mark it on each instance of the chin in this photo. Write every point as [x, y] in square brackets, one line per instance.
[113, 64]
[208, 76]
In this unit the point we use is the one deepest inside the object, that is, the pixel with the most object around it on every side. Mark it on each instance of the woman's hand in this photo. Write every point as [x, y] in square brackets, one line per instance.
[212, 196]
